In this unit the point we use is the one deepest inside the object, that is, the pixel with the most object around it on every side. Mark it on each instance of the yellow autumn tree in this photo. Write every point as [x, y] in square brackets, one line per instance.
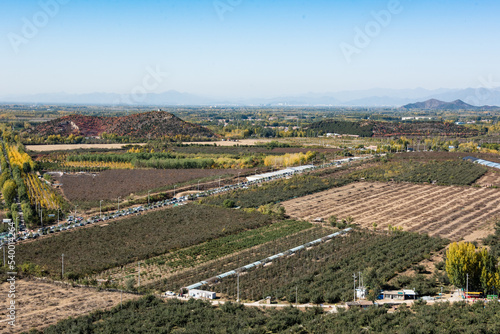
[462, 259]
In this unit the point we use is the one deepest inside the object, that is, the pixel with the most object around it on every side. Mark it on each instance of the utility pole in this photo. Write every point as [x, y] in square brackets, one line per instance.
[354, 276]
[238, 288]
[467, 288]
[119, 203]
[100, 209]
[62, 266]
[219, 181]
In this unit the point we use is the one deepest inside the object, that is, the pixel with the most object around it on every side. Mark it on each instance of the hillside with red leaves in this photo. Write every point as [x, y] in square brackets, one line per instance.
[153, 124]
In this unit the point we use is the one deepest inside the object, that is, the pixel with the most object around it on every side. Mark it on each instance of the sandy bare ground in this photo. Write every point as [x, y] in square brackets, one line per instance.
[489, 179]
[67, 147]
[40, 304]
[451, 212]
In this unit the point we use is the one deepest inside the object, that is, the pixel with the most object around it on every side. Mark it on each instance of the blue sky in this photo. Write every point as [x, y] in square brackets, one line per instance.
[258, 48]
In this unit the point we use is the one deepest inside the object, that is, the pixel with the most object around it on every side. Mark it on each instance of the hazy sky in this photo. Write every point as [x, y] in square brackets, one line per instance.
[245, 48]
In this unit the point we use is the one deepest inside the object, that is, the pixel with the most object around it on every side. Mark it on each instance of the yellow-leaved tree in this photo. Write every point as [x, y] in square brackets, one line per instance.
[462, 259]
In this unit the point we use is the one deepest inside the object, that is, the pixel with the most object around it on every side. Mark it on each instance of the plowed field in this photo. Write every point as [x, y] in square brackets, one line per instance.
[41, 304]
[489, 179]
[449, 212]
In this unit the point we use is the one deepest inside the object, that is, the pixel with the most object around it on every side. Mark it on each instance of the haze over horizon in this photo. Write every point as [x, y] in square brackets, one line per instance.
[246, 49]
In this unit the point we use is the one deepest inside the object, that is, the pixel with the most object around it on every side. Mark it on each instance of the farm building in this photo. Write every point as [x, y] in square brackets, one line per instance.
[400, 294]
[194, 293]
[278, 173]
[483, 162]
[361, 292]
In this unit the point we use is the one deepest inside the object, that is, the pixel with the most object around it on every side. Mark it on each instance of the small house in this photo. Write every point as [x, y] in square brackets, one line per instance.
[361, 292]
[400, 294]
[194, 293]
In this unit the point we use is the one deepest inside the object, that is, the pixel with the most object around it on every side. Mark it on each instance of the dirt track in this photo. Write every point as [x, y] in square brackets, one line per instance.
[39, 304]
[450, 212]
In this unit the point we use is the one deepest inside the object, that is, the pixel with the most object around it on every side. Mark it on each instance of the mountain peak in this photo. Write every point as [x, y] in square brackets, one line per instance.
[434, 104]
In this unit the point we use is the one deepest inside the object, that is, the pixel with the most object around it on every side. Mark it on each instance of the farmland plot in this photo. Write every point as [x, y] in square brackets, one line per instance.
[97, 248]
[324, 273]
[165, 265]
[110, 184]
[42, 304]
[489, 179]
[449, 212]
[212, 268]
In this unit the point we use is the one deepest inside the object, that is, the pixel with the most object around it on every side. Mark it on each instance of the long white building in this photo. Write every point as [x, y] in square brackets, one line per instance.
[278, 173]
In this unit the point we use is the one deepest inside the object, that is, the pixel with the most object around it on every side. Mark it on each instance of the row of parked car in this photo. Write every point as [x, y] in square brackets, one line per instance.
[75, 222]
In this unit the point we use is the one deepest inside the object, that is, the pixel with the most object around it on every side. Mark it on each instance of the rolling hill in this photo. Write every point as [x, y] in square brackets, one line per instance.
[154, 124]
[434, 104]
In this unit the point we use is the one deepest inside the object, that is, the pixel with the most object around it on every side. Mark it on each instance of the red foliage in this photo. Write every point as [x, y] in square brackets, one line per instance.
[153, 124]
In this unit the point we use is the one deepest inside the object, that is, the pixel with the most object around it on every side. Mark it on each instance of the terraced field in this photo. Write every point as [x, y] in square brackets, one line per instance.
[449, 212]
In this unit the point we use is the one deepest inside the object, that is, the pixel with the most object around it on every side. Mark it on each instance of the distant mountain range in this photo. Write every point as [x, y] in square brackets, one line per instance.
[359, 98]
[434, 104]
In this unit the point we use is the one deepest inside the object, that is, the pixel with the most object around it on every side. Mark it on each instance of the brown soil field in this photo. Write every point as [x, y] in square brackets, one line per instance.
[449, 212]
[67, 147]
[40, 304]
[489, 179]
[110, 184]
